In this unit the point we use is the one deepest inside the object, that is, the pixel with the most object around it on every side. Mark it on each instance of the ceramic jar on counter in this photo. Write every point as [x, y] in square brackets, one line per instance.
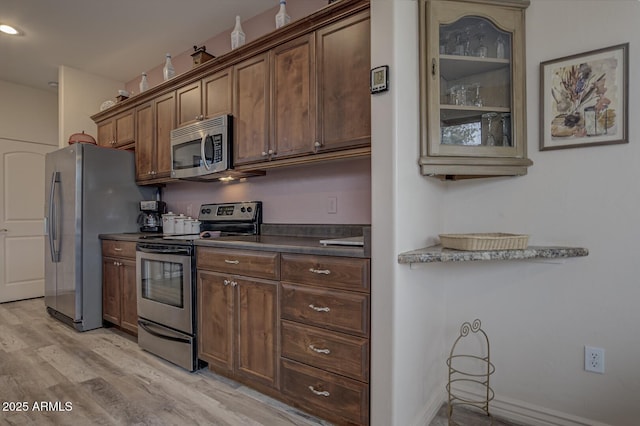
[173, 224]
[169, 223]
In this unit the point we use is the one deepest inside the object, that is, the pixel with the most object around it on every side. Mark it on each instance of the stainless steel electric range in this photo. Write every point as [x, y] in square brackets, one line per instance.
[166, 281]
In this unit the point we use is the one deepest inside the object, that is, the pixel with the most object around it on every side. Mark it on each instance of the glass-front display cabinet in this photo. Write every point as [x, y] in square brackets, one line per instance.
[473, 93]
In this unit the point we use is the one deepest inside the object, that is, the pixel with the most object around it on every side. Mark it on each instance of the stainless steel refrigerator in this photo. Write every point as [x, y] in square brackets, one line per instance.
[90, 190]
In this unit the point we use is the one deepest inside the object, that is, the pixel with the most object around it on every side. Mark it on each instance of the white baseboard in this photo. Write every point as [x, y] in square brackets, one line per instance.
[528, 414]
[429, 411]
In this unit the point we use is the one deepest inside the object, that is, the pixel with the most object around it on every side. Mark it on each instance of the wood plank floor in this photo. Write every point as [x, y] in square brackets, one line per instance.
[104, 378]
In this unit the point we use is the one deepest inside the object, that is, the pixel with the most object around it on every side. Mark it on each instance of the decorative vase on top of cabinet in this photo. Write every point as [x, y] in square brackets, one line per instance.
[473, 88]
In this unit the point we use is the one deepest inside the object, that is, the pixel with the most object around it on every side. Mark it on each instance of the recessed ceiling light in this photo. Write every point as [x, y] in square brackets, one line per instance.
[8, 29]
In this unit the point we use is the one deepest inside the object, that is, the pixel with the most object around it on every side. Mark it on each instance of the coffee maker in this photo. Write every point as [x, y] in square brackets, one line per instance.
[150, 217]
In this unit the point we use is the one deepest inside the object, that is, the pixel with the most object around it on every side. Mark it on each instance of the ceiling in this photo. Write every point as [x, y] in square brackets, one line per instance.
[116, 39]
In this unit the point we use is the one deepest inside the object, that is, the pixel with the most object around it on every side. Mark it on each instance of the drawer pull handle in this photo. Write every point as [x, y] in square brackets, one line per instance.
[320, 271]
[318, 309]
[319, 393]
[320, 351]
[232, 262]
[117, 249]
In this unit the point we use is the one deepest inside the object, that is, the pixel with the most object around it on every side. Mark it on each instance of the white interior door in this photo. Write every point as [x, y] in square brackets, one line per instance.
[22, 219]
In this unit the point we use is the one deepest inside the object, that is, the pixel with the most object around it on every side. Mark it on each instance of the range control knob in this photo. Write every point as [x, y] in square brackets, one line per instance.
[243, 209]
[249, 209]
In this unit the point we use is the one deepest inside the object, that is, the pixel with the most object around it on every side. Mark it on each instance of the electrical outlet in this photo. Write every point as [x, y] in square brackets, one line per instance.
[594, 359]
[332, 205]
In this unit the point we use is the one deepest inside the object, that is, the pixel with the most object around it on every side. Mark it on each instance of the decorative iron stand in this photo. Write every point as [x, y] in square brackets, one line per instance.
[472, 376]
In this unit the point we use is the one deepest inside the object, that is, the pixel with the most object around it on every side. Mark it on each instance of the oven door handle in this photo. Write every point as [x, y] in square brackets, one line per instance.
[146, 328]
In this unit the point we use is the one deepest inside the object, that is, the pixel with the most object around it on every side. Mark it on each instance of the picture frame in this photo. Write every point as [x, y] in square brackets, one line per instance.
[584, 99]
[379, 79]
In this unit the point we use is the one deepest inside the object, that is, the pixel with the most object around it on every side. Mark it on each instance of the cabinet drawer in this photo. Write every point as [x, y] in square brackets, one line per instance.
[327, 271]
[331, 351]
[259, 264]
[332, 396]
[119, 248]
[334, 309]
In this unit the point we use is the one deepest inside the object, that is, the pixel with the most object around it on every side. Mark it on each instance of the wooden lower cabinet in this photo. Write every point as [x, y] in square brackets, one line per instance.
[238, 322]
[119, 293]
[293, 326]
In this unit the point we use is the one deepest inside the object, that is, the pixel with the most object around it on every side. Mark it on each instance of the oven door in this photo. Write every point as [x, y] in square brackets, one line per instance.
[199, 154]
[164, 285]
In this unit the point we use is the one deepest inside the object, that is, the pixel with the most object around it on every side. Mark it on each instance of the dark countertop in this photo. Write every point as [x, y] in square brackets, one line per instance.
[281, 243]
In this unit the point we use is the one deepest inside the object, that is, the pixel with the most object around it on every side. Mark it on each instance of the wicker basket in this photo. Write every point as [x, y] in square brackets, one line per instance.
[488, 241]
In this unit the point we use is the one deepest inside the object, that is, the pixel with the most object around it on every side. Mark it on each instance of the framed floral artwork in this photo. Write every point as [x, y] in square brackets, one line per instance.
[584, 99]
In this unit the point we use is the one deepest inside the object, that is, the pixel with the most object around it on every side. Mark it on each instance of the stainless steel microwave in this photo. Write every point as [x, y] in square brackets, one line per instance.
[202, 148]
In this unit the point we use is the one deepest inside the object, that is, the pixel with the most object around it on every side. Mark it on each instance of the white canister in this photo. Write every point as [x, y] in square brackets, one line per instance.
[179, 229]
[195, 226]
[187, 225]
[168, 223]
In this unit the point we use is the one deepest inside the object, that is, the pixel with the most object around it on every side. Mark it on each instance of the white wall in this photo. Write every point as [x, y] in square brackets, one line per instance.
[80, 95]
[538, 315]
[28, 114]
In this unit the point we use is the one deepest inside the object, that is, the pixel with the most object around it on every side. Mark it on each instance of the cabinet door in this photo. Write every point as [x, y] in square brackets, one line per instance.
[251, 110]
[125, 129]
[217, 94]
[294, 98]
[106, 131]
[189, 104]
[129, 318]
[344, 100]
[165, 122]
[111, 290]
[145, 150]
[257, 350]
[215, 320]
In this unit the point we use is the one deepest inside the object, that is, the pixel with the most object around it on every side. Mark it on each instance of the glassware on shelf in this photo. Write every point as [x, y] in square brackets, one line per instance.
[500, 47]
[506, 129]
[461, 95]
[459, 48]
[481, 49]
[491, 139]
[477, 100]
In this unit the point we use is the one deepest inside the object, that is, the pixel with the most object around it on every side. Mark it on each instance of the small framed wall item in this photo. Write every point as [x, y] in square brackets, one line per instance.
[584, 99]
[380, 79]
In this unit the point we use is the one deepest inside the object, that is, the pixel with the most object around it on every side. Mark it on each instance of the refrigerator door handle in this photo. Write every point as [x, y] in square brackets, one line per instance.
[52, 220]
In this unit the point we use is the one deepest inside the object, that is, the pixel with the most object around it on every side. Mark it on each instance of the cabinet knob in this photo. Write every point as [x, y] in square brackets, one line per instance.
[264, 154]
[317, 144]
[226, 282]
[271, 152]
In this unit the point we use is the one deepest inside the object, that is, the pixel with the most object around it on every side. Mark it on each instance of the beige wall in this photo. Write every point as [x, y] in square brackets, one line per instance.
[28, 114]
[80, 95]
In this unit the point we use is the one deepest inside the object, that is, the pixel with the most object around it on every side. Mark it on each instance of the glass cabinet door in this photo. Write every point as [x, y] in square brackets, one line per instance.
[473, 86]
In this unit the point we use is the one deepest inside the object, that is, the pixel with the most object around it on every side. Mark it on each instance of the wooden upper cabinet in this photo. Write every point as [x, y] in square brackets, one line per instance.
[189, 104]
[217, 93]
[117, 132]
[155, 120]
[293, 98]
[251, 110]
[344, 99]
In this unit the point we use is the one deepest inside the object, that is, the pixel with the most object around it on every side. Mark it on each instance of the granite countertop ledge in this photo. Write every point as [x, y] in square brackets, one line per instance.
[439, 254]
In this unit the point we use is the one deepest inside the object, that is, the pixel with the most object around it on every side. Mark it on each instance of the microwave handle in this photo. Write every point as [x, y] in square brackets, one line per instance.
[204, 159]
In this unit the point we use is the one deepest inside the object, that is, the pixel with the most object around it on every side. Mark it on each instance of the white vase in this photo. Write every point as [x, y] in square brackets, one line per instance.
[237, 35]
[168, 72]
[144, 83]
[282, 18]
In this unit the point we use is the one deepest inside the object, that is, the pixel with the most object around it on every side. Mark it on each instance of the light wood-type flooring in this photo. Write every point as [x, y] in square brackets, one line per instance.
[102, 377]
[51, 374]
